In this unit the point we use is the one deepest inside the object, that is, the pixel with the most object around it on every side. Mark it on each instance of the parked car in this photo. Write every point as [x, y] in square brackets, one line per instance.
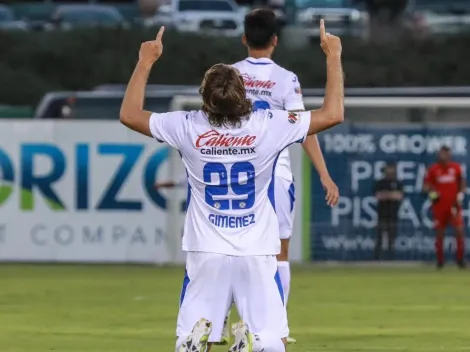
[163, 17]
[341, 17]
[98, 105]
[67, 17]
[8, 20]
[281, 20]
[219, 17]
[437, 17]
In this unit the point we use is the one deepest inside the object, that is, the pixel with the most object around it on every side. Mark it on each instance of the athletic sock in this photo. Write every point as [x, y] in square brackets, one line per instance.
[268, 344]
[439, 250]
[460, 248]
[284, 274]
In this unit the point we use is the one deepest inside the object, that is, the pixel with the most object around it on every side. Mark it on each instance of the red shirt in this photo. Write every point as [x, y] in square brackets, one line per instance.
[445, 179]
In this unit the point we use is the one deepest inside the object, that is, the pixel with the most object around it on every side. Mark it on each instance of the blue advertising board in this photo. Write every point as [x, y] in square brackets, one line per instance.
[355, 155]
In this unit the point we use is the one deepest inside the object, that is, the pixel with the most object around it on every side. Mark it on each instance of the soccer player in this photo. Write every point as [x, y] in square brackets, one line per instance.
[269, 86]
[445, 185]
[231, 233]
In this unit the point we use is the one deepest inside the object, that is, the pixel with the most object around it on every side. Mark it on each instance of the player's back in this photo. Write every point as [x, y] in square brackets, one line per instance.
[270, 86]
[230, 175]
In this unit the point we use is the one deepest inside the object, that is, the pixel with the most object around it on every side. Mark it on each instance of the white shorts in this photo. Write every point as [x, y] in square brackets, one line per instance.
[213, 280]
[284, 193]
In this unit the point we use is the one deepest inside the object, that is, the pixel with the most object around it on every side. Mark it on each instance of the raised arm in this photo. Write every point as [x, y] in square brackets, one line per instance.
[132, 112]
[294, 103]
[332, 111]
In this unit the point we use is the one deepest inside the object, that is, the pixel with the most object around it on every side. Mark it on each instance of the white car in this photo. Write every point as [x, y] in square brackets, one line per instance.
[436, 18]
[342, 18]
[218, 17]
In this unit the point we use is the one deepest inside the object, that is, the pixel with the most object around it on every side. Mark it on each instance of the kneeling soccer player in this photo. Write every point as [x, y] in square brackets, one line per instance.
[231, 232]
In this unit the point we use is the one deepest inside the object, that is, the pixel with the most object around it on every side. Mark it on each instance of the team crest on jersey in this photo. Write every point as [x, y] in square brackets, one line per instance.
[293, 117]
[298, 90]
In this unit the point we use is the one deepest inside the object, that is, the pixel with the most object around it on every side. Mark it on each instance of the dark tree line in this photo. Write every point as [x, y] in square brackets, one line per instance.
[32, 64]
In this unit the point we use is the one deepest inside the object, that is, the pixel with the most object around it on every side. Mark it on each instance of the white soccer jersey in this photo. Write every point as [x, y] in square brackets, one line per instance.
[230, 177]
[271, 86]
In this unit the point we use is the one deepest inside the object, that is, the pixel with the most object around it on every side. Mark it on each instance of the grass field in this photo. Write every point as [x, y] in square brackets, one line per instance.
[133, 309]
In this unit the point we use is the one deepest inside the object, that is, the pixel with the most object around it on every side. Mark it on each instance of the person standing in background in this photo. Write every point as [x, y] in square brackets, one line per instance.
[270, 86]
[445, 185]
[389, 194]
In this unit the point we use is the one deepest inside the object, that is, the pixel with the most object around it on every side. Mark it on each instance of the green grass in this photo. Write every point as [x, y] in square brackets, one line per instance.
[133, 309]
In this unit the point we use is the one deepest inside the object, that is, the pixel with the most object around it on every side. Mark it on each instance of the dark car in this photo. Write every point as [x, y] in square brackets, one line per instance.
[98, 105]
[67, 17]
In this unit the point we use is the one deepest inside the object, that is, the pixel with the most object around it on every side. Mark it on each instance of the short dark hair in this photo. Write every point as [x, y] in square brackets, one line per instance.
[224, 96]
[260, 28]
[445, 148]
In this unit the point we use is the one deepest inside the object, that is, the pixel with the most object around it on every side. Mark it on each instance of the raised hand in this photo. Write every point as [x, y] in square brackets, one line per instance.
[330, 44]
[150, 51]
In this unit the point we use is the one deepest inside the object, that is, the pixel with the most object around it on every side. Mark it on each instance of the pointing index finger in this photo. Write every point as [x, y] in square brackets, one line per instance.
[322, 29]
[160, 34]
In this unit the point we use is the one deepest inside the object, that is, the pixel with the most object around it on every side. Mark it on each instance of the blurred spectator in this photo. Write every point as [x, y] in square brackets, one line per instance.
[148, 8]
[68, 108]
[384, 16]
[389, 194]
[385, 10]
[61, 108]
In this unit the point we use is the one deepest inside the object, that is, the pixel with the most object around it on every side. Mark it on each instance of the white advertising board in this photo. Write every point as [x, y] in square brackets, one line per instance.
[75, 191]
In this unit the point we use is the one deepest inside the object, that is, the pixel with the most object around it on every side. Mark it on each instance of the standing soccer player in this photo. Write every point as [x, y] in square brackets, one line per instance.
[231, 233]
[445, 185]
[270, 86]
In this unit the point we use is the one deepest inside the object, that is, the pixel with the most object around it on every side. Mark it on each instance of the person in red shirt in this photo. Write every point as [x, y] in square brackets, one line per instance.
[445, 185]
